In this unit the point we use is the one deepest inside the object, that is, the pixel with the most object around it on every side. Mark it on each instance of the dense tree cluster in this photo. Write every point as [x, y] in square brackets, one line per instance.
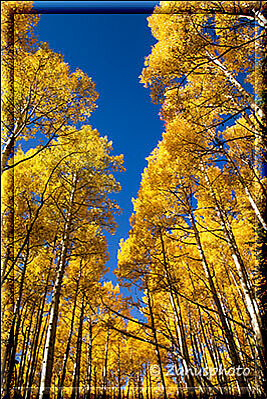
[201, 203]
[56, 208]
[197, 245]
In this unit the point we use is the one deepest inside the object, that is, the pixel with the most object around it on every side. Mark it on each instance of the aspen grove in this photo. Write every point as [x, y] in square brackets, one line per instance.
[196, 250]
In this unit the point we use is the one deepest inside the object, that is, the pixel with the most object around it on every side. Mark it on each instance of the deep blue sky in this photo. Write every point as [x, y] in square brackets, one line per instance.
[111, 49]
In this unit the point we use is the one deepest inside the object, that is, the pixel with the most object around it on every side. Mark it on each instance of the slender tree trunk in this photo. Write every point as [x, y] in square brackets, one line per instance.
[95, 377]
[24, 348]
[67, 350]
[27, 343]
[237, 305]
[238, 344]
[119, 371]
[36, 348]
[179, 323]
[218, 353]
[89, 369]
[29, 349]
[194, 344]
[12, 341]
[105, 370]
[20, 375]
[33, 348]
[253, 204]
[201, 320]
[38, 328]
[46, 374]
[156, 343]
[41, 349]
[147, 381]
[77, 364]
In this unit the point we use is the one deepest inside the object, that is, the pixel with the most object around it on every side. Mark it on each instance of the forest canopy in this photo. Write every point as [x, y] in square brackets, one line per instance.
[196, 249]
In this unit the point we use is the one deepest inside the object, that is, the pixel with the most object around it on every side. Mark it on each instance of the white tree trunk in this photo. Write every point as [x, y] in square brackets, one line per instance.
[47, 365]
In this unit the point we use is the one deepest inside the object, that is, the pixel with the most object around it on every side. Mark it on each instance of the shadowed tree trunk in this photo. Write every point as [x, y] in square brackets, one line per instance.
[105, 370]
[151, 314]
[89, 368]
[77, 364]
[66, 354]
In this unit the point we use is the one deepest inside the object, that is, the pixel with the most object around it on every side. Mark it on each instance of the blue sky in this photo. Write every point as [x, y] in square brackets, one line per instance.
[111, 49]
